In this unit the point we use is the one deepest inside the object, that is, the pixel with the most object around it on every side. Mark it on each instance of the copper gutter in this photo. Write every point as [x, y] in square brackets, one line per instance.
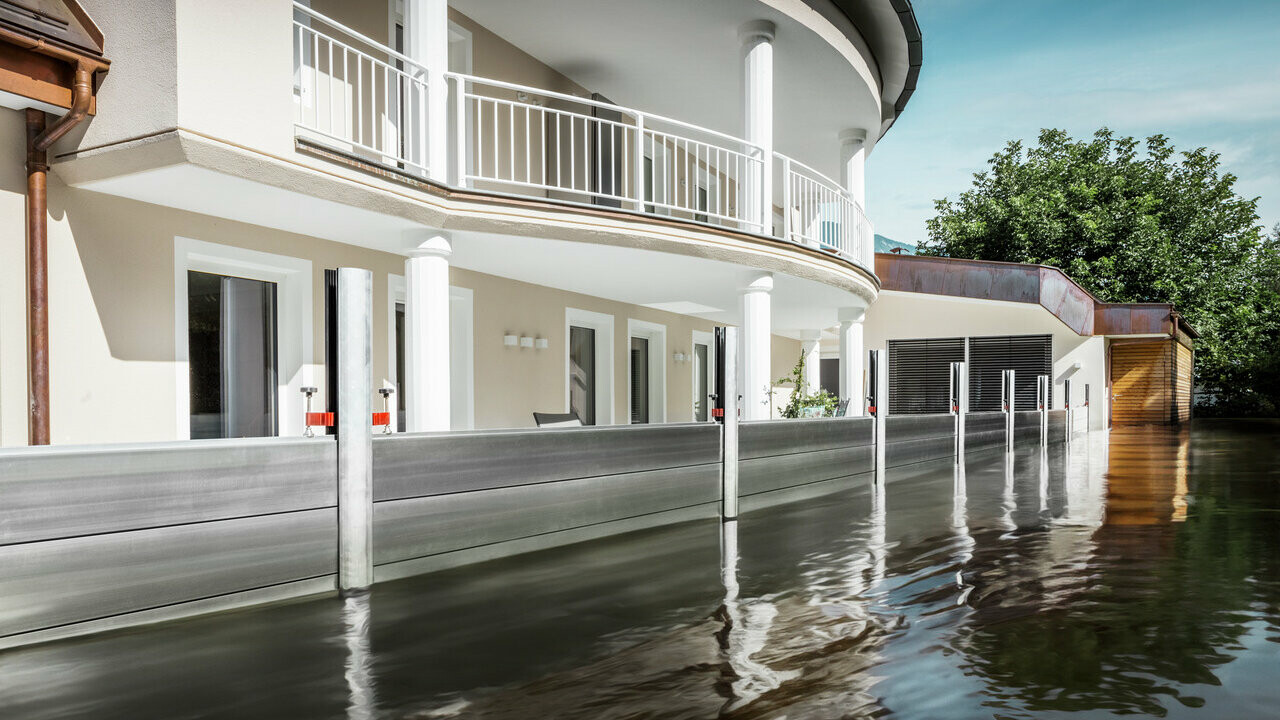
[39, 138]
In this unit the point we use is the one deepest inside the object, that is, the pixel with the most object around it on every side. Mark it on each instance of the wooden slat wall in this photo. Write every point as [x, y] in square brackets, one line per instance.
[1183, 360]
[1141, 383]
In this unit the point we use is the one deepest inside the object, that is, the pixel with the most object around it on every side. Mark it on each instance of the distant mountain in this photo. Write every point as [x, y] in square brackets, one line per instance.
[884, 245]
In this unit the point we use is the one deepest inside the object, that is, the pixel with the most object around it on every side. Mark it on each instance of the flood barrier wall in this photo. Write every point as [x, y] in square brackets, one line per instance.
[94, 538]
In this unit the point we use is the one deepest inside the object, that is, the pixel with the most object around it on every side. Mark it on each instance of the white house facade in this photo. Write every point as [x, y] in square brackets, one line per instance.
[559, 201]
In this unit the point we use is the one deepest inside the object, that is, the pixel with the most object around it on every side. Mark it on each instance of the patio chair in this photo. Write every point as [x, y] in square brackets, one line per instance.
[842, 409]
[557, 420]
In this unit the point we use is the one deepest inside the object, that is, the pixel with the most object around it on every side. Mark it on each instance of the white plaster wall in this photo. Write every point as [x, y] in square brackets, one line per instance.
[902, 316]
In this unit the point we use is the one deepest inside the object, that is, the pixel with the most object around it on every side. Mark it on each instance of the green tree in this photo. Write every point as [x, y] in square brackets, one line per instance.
[1137, 222]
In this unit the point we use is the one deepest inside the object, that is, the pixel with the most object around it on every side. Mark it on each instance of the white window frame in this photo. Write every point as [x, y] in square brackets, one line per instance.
[702, 338]
[462, 381]
[656, 334]
[292, 277]
[602, 324]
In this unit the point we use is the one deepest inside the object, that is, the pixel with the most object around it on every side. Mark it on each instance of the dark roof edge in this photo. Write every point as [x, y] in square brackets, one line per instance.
[915, 54]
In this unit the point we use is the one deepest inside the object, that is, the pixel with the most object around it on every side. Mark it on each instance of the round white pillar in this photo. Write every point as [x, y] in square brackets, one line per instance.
[426, 274]
[756, 349]
[811, 347]
[427, 42]
[851, 359]
[757, 42]
[853, 157]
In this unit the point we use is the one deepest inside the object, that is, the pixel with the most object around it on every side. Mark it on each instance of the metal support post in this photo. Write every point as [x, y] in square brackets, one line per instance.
[959, 404]
[878, 405]
[1066, 405]
[355, 434]
[727, 399]
[1007, 403]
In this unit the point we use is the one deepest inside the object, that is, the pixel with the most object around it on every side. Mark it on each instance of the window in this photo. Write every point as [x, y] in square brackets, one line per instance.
[588, 367]
[639, 380]
[232, 356]
[582, 374]
[1027, 355]
[703, 374]
[401, 421]
[267, 297]
[920, 374]
[646, 368]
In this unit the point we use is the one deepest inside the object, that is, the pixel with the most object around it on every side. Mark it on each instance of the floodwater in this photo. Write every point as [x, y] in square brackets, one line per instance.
[1138, 576]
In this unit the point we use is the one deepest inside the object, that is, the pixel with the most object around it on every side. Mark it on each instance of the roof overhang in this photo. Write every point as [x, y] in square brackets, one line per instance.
[41, 44]
[1045, 285]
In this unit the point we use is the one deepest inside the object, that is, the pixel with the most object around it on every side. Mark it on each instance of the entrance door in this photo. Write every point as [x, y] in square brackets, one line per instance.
[1140, 383]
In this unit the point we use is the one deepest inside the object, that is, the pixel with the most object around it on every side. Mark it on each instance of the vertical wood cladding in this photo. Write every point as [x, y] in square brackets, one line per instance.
[1150, 383]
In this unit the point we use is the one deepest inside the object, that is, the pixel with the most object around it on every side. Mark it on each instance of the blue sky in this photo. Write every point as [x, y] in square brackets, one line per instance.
[1201, 72]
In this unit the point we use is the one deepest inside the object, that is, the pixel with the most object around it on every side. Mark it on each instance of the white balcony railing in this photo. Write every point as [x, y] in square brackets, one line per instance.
[819, 213]
[363, 98]
[523, 139]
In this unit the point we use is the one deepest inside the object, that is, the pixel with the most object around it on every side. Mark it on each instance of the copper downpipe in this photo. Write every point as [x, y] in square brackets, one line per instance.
[39, 138]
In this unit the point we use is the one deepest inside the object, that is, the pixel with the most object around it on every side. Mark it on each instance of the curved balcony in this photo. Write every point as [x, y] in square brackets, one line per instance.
[362, 98]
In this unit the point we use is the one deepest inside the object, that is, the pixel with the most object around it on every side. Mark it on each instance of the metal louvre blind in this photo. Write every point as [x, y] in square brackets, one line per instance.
[1027, 355]
[920, 374]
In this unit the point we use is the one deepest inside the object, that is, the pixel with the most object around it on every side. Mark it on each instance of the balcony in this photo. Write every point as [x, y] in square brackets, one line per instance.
[380, 107]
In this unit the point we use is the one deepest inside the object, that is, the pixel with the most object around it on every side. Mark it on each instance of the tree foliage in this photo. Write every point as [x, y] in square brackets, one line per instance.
[1137, 222]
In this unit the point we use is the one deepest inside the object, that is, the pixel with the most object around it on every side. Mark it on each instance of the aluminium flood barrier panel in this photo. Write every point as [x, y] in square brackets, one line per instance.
[102, 533]
[94, 538]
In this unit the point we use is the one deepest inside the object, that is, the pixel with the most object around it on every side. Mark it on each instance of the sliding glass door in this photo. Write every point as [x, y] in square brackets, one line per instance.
[231, 341]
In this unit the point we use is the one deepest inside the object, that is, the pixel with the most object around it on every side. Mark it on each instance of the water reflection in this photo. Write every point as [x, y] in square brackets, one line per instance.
[1139, 575]
[363, 703]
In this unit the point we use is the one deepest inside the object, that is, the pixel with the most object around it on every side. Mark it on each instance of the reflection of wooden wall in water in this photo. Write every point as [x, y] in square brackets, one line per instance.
[1147, 476]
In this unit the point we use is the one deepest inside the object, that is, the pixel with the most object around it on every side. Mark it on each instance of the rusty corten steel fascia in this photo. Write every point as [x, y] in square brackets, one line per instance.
[1045, 285]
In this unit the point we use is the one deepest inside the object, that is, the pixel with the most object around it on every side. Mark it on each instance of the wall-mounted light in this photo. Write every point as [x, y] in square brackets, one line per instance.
[540, 343]
[678, 357]
[526, 341]
[510, 340]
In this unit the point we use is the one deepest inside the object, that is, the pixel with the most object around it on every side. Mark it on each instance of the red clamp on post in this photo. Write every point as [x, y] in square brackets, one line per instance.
[314, 419]
[872, 409]
[717, 412]
[384, 418]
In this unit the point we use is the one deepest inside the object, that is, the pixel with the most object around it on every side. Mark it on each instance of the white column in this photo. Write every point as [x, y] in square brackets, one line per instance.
[853, 156]
[811, 346]
[757, 41]
[757, 337]
[426, 274]
[427, 42]
[851, 359]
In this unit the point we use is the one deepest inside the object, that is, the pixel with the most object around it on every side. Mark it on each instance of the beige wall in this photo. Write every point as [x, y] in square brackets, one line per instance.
[112, 324]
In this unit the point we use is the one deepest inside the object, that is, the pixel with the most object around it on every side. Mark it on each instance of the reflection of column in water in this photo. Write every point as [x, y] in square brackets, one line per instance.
[729, 560]
[1009, 503]
[1044, 478]
[876, 542]
[362, 703]
[746, 629]
[960, 523]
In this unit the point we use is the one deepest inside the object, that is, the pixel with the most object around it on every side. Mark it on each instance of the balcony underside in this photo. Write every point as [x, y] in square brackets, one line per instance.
[628, 257]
